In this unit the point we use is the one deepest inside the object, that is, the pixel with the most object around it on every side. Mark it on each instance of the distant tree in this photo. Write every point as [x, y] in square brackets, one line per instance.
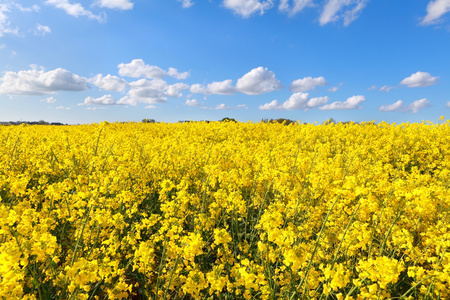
[148, 121]
[283, 121]
[226, 119]
[329, 121]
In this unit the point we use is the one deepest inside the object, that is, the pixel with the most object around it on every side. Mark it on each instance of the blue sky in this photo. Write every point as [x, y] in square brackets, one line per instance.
[85, 61]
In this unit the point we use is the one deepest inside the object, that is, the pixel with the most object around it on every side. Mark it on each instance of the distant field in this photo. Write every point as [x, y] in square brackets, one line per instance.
[225, 210]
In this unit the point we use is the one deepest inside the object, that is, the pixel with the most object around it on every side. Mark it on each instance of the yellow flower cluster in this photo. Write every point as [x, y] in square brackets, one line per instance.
[225, 210]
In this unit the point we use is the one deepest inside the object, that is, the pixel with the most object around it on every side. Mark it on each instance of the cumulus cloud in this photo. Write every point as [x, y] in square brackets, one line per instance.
[39, 82]
[351, 9]
[193, 102]
[435, 10]
[351, 103]
[152, 91]
[297, 101]
[215, 88]
[246, 8]
[297, 6]
[146, 91]
[414, 107]
[137, 68]
[186, 3]
[258, 81]
[221, 87]
[199, 89]
[307, 83]
[418, 105]
[419, 79]
[109, 83]
[104, 100]
[274, 105]
[174, 90]
[42, 30]
[116, 4]
[174, 73]
[397, 106]
[75, 10]
[222, 106]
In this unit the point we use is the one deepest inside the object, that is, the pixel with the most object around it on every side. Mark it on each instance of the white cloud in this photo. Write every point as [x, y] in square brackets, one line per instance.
[386, 88]
[146, 91]
[351, 103]
[307, 83]
[317, 101]
[221, 87]
[152, 91]
[95, 107]
[49, 100]
[332, 8]
[174, 90]
[186, 3]
[193, 102]
[397, 106]
[64, 108]
[39, 82]
[373, 87]
[116, 4]
[42, 30]
[75, 10]
[414, 107]
[199, 89]
[298, 5]
[419, 79]
[274, 105]
[34, 8]
[215, 88]
[333, 89]
[246, 8]
[174, 73]
[296, 101]
[137, 68]
[418, 105]
[2, 46]
[5, 25]
[258, 81]
[222, 106]
[448, 104]
[435, 10]
[104, 100]
[109, 83]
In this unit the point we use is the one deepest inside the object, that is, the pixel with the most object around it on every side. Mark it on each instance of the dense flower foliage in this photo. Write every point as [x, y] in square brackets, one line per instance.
[225, 211]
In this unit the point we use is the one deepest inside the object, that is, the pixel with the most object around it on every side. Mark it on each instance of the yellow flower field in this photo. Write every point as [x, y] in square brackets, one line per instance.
[225, 211]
